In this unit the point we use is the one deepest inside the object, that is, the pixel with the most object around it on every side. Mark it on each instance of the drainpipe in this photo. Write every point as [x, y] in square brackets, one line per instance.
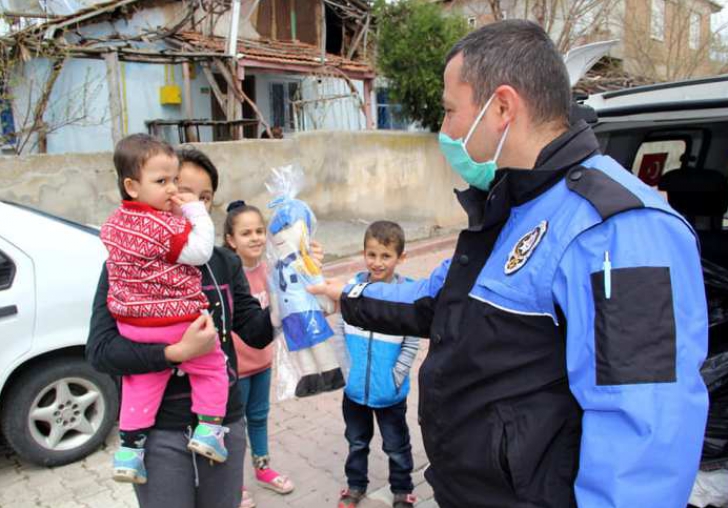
[232, 49]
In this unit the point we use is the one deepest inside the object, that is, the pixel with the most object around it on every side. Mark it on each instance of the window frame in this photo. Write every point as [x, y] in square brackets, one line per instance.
[694, 38]
[4, 285]
[658, 8]
[289, 119]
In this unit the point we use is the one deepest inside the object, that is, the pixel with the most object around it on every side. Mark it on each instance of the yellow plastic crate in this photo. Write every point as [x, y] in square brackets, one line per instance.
[170, 94]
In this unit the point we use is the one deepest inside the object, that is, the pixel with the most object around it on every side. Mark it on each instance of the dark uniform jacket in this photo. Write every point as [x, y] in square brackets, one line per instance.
[538, 390]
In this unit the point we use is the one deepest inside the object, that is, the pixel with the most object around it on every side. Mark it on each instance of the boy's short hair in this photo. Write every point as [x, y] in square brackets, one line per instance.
[200, 159]
[132, 152]
[387, 233]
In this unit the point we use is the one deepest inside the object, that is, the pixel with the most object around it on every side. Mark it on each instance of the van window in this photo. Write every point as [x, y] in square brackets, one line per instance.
[7, 271]
[655, 158]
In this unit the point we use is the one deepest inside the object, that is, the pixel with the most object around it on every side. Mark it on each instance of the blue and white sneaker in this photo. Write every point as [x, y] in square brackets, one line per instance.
[209, 441]
[129, 466]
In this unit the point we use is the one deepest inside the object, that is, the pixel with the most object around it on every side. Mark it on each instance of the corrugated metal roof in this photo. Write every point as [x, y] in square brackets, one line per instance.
[82, 15]
[278, 52]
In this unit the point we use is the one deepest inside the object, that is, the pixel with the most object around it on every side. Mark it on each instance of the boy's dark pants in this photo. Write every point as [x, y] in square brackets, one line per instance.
[395, 443]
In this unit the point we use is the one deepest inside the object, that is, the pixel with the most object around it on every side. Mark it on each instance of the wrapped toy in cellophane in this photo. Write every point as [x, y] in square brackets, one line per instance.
[308, 365]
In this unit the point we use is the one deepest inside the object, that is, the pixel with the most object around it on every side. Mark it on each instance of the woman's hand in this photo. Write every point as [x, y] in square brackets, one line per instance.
[198, 340]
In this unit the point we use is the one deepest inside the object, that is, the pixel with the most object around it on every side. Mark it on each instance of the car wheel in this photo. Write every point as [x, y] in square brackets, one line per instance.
[59, 411]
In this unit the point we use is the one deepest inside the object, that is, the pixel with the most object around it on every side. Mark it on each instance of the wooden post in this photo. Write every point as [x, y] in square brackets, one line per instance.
[43, 138]
[221, 100]
[112, 83]
[190, 133]
[239, 74]
[273, 21]
[234, 85]
[357, 39]
[323, 32]
[342, 51]
[232, 42]
[368, 86]
[294, 21]
[187, 91]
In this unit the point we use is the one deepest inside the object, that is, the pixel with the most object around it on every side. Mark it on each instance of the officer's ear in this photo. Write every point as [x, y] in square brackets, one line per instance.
[402, 258]
[508, 104]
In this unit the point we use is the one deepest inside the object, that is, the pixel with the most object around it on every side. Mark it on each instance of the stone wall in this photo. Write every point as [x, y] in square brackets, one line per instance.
[350, 176]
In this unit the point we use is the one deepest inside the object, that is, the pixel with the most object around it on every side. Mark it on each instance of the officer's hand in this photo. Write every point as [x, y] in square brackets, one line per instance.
[331, 288]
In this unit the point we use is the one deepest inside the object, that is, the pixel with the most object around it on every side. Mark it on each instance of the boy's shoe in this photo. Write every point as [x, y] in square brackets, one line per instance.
[404, 501]
[129, 466]
[209, 441]
[350, 498]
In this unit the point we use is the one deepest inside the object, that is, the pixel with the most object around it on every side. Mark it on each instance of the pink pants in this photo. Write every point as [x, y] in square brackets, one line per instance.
[141, 394]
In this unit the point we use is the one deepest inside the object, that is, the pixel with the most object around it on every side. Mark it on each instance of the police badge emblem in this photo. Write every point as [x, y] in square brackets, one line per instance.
[525, 247]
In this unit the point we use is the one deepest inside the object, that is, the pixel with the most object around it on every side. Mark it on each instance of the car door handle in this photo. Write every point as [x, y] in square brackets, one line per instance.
[10, 310]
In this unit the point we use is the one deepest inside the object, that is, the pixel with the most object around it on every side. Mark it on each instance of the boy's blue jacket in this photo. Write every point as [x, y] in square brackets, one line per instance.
[373, 357]
[567, 333]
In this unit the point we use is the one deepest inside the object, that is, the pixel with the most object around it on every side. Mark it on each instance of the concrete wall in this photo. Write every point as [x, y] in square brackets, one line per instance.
[350, 176]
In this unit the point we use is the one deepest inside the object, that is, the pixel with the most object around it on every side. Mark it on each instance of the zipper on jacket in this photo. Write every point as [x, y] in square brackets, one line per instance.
[221, 303]
[369, 369]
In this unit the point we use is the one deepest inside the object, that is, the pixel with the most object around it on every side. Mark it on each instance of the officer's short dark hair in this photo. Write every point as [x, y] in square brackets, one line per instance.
[132, 152]
[518, 53]
[388, 233]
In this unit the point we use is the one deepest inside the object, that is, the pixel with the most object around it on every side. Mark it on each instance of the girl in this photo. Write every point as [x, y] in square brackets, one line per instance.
[245, 234]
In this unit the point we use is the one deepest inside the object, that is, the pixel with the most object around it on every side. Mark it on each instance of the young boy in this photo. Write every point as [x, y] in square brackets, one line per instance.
[378, 381]
[155, 239]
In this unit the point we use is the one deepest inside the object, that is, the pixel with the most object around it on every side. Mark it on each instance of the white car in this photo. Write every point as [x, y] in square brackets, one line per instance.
[54, 407]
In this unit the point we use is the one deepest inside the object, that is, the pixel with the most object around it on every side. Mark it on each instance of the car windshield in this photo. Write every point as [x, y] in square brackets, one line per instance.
[76, 225]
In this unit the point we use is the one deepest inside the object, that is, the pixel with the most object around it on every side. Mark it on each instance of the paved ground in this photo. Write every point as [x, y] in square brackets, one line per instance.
[306, 441]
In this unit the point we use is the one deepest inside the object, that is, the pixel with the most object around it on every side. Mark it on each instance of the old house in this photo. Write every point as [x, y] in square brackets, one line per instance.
[185, 70]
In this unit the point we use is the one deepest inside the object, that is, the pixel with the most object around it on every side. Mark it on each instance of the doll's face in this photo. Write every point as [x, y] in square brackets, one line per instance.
[288, 241]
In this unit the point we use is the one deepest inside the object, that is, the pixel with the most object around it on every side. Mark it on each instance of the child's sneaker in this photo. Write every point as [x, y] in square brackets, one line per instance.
[270, 478]
[404, 501]
[209, 441]
[129, 466]
[350, 498]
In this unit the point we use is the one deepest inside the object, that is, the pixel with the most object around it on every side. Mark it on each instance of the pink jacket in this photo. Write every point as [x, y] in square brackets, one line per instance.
[250, 360]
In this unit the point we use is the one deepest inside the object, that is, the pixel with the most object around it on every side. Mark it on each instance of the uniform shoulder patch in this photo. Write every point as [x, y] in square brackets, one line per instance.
[608, 196]
[525, 246]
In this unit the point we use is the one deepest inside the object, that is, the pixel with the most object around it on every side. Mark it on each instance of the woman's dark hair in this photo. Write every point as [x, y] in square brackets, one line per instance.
[234, 209]
[197, 157]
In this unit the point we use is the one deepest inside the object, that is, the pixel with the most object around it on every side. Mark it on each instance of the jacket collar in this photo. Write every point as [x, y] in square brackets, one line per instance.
[138, 206]
[364, 277]
[515, 186]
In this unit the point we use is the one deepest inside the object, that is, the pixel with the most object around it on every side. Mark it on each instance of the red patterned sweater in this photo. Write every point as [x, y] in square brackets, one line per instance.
[146, 285]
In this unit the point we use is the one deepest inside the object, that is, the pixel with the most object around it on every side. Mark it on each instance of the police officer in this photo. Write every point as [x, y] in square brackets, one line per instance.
[568, 329]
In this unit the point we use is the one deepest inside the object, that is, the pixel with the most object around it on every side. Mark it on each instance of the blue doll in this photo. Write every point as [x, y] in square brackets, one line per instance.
[291, 270]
